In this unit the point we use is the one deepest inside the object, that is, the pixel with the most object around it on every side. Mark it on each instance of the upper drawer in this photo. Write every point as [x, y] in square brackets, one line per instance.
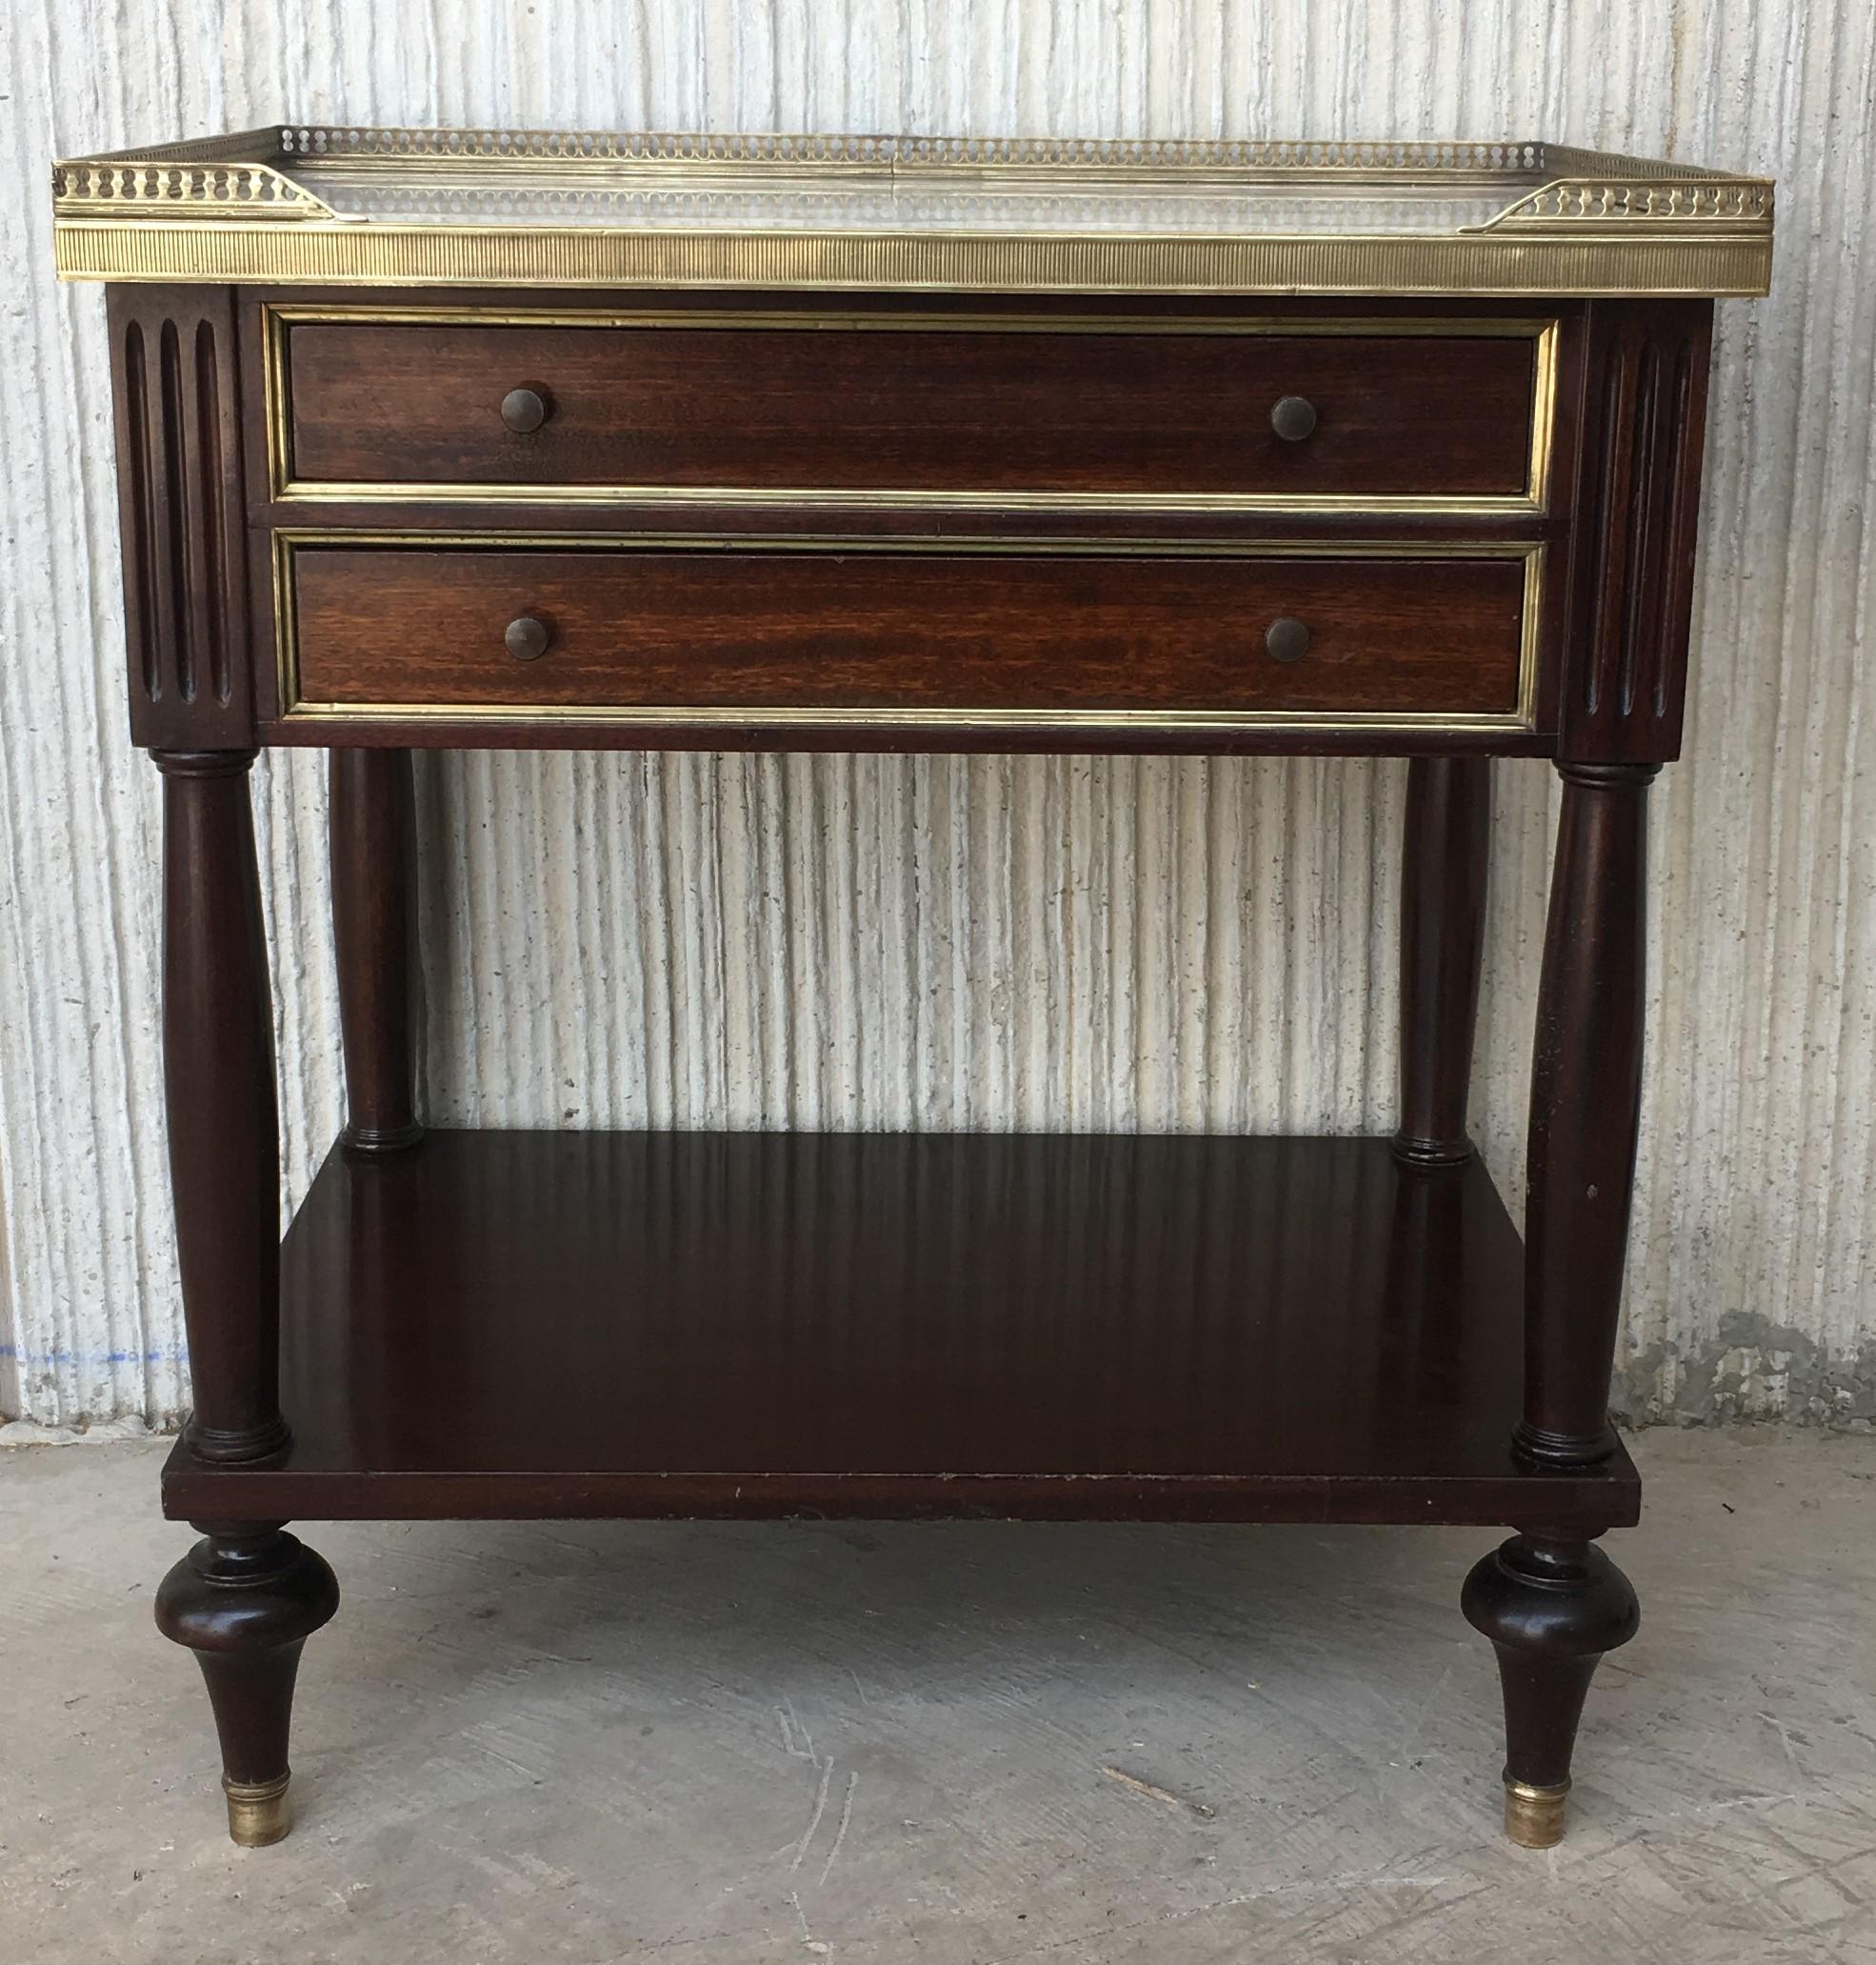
[845, 410]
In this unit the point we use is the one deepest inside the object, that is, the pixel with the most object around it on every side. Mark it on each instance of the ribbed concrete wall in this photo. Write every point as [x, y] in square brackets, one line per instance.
[977, 943]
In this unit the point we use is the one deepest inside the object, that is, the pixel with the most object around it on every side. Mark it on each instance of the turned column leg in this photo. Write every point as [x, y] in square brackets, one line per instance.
[1551, 1602]
[245, 1599]
[224, 1128]
[1586, 1104]
[374, 908]
[1443, 932]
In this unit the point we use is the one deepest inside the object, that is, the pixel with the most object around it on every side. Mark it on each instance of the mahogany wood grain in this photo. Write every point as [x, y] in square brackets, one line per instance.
[828, 628]
[750, 1324]
[374, 925]
[1443, 939]
[1586, 1102]
[836, 408]
[421, 509]
[219, 1086]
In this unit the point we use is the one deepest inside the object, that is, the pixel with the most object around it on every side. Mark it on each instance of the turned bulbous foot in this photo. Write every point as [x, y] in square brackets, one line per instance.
[245, 1600]
[1552, 1606]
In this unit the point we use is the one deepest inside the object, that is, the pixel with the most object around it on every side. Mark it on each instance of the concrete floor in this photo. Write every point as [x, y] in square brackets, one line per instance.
[958, 1743]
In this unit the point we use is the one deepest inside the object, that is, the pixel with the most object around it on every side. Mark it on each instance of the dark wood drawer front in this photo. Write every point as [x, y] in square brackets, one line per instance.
[847, 410]
[872, 630]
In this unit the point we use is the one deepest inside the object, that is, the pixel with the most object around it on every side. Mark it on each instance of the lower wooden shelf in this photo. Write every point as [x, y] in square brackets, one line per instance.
[558, 1324]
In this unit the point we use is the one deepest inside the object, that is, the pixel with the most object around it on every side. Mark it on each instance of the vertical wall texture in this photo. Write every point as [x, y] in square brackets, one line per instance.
[858, 942]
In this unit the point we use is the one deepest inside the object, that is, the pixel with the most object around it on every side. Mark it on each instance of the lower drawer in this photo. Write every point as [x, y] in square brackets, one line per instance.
[1326, 634]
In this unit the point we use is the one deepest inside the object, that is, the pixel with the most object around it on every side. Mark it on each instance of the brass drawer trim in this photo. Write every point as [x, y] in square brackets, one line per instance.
[286, 488]
[1521, 717]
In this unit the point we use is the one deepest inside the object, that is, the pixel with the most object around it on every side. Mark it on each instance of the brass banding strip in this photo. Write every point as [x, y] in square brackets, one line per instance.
[1610, 265]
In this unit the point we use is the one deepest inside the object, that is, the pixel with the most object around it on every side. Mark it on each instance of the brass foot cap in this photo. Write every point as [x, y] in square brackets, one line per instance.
[1534, 1817]
[256, 1811]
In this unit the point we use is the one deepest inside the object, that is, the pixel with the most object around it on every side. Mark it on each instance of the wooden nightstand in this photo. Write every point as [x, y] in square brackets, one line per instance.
[477, 439]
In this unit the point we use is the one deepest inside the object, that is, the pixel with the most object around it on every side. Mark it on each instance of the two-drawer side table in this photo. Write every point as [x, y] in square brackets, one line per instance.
[479, 438]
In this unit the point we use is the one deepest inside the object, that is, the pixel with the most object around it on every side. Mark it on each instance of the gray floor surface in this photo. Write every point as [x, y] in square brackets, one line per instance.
[993, 1744]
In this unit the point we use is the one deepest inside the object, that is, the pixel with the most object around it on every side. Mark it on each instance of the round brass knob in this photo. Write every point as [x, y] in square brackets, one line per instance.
[1293, 418]
[524, 410]
[1287, 639]
[527, 638]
